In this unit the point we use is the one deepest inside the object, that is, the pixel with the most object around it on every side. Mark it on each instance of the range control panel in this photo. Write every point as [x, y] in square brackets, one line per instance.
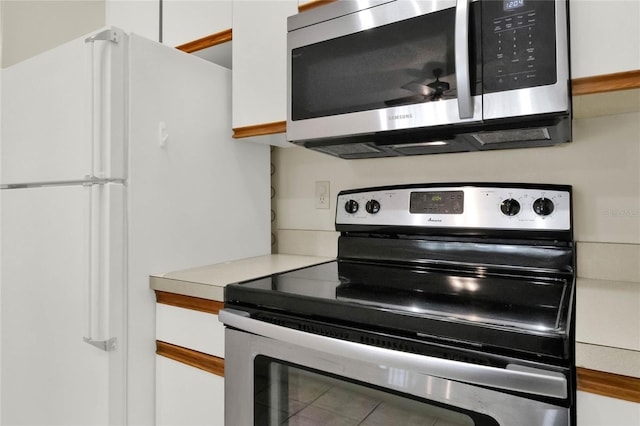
[533, 207]
[519, 44]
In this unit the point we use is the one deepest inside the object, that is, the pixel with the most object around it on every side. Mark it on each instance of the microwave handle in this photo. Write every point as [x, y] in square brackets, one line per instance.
[461, 45]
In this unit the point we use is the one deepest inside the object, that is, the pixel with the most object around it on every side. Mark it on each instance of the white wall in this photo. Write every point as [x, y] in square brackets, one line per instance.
[29, 27]
[601, 163]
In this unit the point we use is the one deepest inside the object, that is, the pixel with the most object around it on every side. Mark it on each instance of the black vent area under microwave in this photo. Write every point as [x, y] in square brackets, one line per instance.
[543, 132]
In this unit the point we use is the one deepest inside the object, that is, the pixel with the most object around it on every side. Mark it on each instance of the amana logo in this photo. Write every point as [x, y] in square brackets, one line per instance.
[434, 220]
[399, 116]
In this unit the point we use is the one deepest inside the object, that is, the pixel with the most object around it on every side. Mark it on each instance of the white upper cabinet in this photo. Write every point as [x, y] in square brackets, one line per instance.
[184, 21]
[605, 36]
[259, 60]
[139, 16]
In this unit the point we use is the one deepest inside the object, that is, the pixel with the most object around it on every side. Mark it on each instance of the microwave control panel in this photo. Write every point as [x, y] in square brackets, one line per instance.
[519, 44]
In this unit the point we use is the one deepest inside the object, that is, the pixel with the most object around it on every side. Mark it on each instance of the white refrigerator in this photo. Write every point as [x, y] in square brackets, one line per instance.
[116, 162]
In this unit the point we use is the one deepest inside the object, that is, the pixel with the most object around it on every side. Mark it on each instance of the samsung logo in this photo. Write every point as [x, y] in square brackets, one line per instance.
[399, 116]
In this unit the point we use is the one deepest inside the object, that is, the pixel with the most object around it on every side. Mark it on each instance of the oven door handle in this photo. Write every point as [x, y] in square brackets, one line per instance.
[528, 380]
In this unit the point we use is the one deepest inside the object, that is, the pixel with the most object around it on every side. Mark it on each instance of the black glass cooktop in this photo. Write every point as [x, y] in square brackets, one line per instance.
[476, 307]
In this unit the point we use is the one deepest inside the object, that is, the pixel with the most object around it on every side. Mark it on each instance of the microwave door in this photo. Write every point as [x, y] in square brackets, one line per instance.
[412, 67]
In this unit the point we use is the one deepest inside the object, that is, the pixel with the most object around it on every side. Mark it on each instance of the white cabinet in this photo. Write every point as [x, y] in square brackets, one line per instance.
[605, 36]
[191, 329]
[141, 17]
[596, 410]
[184, 21]
[259, 60]
[187, 396]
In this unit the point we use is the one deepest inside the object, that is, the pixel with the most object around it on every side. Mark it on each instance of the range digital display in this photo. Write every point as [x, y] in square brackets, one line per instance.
[512, 4]
[437, 202]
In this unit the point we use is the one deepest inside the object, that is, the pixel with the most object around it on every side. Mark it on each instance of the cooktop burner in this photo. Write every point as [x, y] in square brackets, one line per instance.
[484, 267]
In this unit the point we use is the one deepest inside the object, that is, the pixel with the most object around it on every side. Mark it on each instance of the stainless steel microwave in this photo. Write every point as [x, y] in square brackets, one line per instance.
[385, 78]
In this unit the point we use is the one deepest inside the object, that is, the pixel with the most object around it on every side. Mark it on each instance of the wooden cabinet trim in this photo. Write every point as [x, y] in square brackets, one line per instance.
[609, 384]
[260, 129]
[592, 381]
[206, 42]
[189, 302]
[209, 363]
[606, 83]
[313, 4]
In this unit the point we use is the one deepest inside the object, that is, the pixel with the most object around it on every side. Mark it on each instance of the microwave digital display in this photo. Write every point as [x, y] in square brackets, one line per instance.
[512, 4]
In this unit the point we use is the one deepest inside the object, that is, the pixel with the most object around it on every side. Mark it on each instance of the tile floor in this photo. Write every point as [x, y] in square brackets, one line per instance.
[313, 400]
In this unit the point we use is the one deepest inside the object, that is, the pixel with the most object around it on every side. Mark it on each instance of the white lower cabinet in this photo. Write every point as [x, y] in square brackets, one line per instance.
[596, 410]
[186, 395]
[191, 329]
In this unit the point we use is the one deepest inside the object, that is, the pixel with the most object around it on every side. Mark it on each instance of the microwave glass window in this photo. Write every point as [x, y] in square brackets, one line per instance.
[288, 394]
[407, 62]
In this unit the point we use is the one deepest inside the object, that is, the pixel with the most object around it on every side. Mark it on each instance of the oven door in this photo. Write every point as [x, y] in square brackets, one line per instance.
[276, 375]
[384, 66]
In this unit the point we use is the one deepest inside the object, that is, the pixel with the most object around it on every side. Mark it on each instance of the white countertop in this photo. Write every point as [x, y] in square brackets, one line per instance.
[208, 281]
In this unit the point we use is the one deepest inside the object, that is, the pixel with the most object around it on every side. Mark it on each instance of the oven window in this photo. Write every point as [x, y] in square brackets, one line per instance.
[403, 63]
[286, 394]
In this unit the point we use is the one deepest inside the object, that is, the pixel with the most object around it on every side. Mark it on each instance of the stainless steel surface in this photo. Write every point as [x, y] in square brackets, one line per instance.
[443, 112]
[392, 374]
[530, 382]
[330, 11]
[481, 209]
[542, 99]
[529, 105]
[461, 48]
[359, 18]
[418, 115]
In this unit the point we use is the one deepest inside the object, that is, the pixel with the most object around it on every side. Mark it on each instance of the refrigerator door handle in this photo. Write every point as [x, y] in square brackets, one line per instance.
[106, 88]
[98, 271]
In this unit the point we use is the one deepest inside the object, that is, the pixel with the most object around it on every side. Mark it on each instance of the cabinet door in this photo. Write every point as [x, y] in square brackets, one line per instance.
[187, 396]
[605, 36]
[140, 17]
[191, 329]
[596, 410]
[188, 20]
[259, 60]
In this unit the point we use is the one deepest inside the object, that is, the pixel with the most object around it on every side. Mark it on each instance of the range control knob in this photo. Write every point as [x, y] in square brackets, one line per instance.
[351, 206]
[543, 206]
[372, 206]
[510, 207]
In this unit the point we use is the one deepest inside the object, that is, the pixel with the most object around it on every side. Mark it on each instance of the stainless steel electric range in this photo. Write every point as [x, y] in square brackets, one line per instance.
[448, 304]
